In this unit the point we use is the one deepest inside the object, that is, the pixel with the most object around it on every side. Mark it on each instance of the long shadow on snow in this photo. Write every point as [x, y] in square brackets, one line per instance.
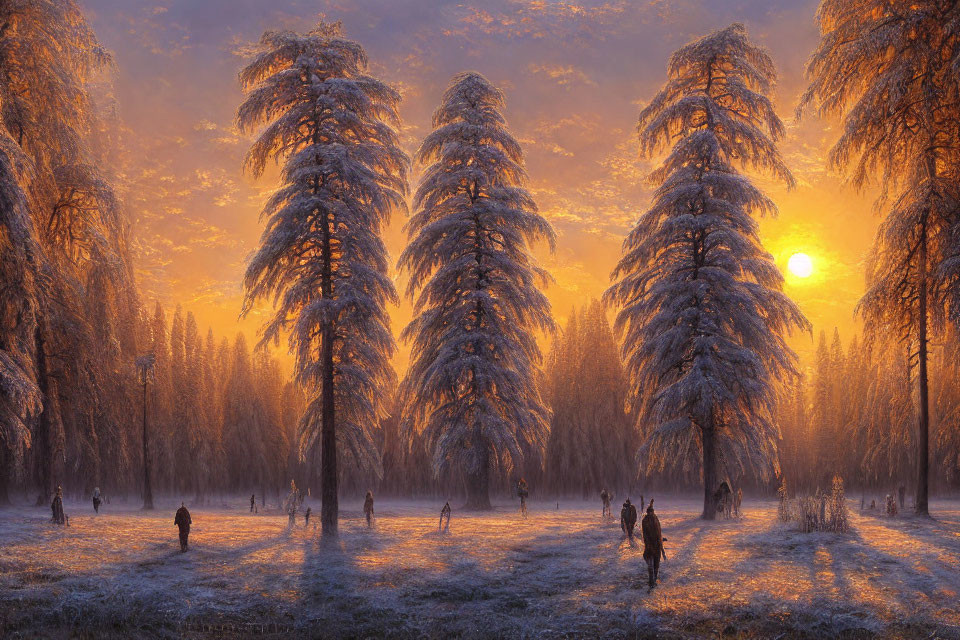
[840, 599]
[540, 587]
[339, 597]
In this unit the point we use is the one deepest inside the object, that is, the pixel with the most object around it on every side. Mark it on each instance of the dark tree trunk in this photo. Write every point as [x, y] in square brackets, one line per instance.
[923, 435]
[478, 483]
[4, 478]
[329, 506]
[46, 443]
[314, 471]
[147, 486]
[478, 486]
[709, 474]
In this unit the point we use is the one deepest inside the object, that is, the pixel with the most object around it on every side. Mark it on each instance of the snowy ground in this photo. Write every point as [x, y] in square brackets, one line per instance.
[558, 573]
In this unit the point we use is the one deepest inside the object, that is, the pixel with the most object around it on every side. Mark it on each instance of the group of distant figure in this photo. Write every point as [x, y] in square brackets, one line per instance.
[181, 520]
[652, 535]
[728, 502]
[295, 500]
[523, 492]
[890, 505]
[293, 503]
[653, 549]
[653, 539]
[56, 506]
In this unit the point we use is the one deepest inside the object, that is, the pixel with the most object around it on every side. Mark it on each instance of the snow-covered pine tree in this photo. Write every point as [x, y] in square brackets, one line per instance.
[322, 258]
[198, 428]
[244, 421]
[20, 397]
[884, 435]
[946, 407]
[472, 385]
[179, 435]
[269, 381]
[702, 313]
[890, 71]
[566, 459]
[824, 410]
[211, 402]
[86, 301]
[160, 404]
[830, 423]
[592, 436]
[795, 447]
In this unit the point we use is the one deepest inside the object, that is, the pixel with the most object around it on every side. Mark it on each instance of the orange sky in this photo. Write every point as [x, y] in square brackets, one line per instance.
[575, 75]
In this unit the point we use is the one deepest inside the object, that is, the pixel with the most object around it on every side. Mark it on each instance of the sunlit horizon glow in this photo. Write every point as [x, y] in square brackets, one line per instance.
[800, 265]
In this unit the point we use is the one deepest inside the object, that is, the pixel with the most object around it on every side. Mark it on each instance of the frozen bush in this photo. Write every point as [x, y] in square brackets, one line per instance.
[819, 512]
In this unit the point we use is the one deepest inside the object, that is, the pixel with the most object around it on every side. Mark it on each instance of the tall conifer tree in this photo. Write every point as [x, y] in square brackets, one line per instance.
[472, 382]
[889, 69]
[702, 311]
[321, 258]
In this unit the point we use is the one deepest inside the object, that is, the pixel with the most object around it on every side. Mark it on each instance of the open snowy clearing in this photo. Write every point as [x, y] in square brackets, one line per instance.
[558, 573]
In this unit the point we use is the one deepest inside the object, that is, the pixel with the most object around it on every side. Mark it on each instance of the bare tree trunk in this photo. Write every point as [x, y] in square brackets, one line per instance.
[147, 486]
[478, 486]
[46, 453]
[4, 476]
[329, 507]
[923, 435]
[709, 473]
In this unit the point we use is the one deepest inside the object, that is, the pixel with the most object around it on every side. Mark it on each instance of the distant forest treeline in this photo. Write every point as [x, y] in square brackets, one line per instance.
[224, 419]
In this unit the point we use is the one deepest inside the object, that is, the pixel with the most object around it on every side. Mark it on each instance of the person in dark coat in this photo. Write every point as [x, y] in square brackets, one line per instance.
[652, 544]
[445, 513]
[183, 521]
[523, 491]
[96, 499]
[306, 518]
[368, 508]
[605, 498]
[724, 502]
[57, 507]
[253, 501]
[628, 518]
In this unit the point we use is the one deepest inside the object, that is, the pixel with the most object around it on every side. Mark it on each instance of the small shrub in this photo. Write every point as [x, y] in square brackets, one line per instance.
[808, 512]
[838, 507]
[819, 512]
[783, 511]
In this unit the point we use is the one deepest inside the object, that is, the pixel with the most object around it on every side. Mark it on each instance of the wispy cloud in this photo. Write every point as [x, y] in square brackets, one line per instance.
[562, 75]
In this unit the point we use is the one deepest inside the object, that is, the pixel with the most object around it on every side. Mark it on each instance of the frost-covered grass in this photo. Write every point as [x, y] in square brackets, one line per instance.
[559, 572]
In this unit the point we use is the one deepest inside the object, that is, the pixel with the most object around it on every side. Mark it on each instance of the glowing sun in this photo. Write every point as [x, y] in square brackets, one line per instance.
[800, 265]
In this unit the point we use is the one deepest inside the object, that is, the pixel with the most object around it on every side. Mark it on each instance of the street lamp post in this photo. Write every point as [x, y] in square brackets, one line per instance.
[144, 373]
